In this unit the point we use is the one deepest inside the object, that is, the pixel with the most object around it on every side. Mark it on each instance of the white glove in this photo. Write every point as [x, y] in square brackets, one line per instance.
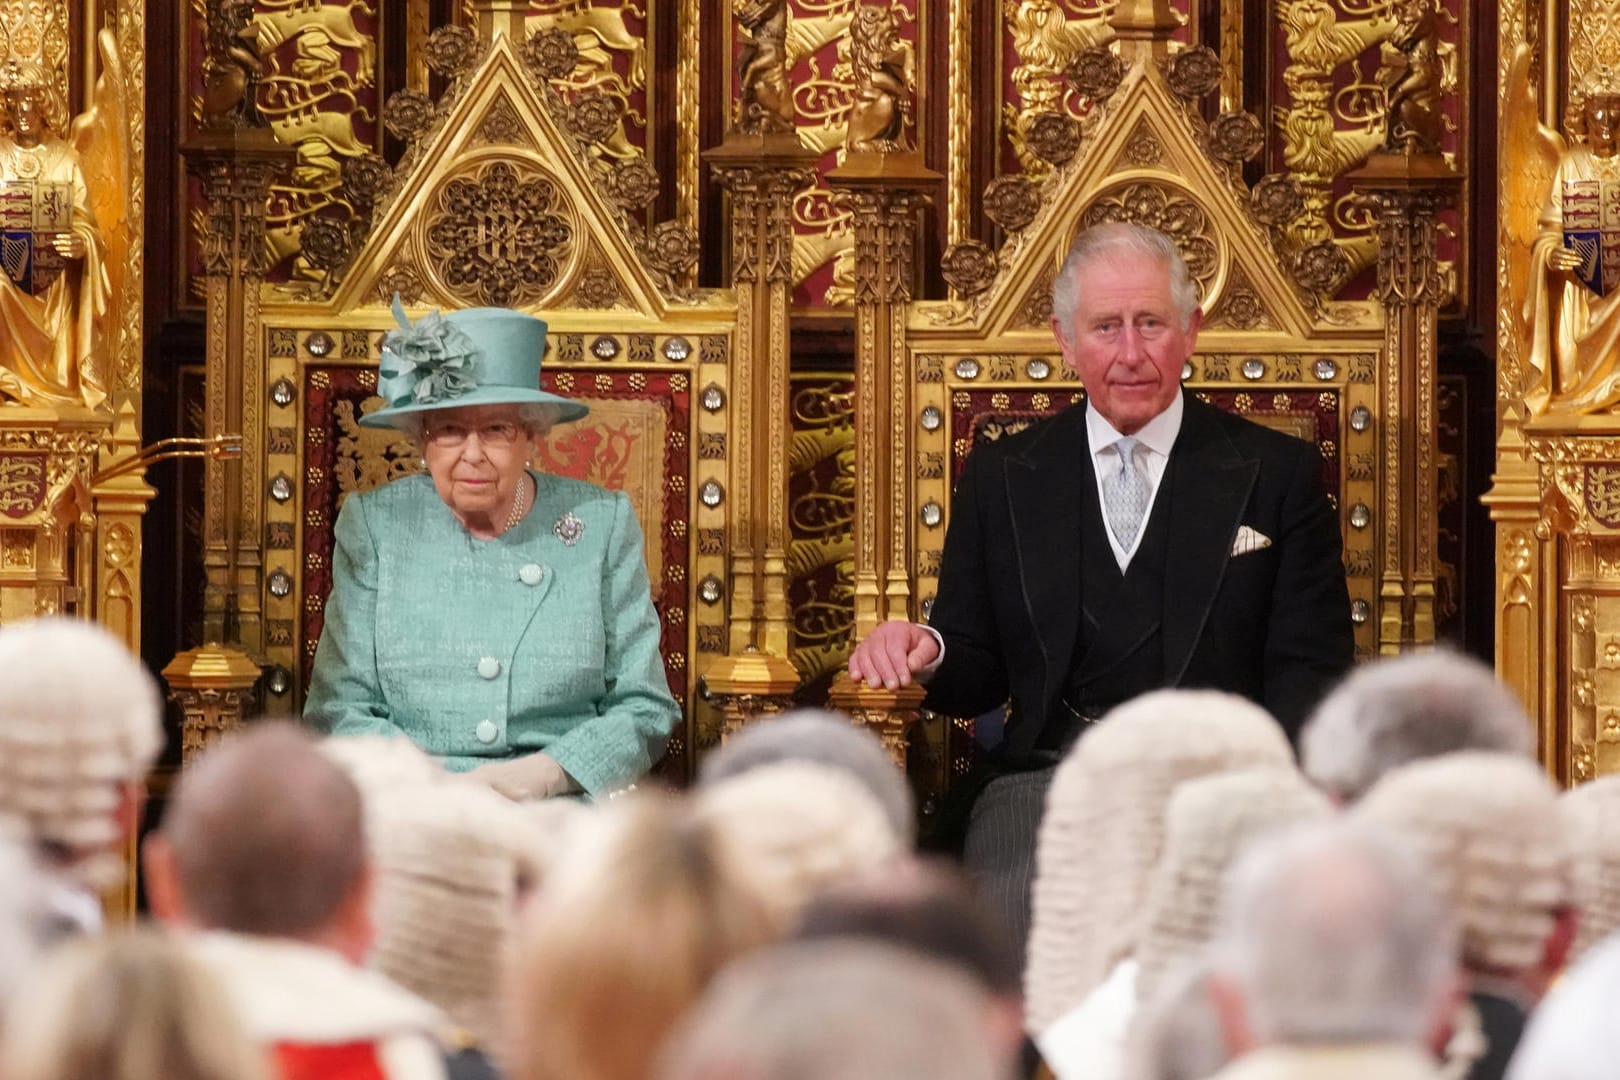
[532, 776]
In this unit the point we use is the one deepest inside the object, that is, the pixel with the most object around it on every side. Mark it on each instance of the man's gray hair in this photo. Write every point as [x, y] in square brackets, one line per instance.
[825, 738]
[836, 1010]
[1121, 238]
[1333, 933]
[1571, 1034]
[1401, 710]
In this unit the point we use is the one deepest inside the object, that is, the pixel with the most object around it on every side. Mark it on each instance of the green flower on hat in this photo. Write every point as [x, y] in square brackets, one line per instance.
[426, 362]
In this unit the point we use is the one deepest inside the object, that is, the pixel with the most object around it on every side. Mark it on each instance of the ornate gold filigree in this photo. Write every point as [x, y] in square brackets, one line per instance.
[453, 51]
[633, 184]
[1047, 39]
[1320, 268]
[402, 281]
[501, 125]
[594, 115]
[1276, 200]
[1173, 212]
[1012, 202]
[1194, 73]
[969, 267]
[1143, 148]
[671, 250]
[551, 54]
[408, 114]
[1097, 73]
[500, 233]
[1235, 137]
[1053, 137]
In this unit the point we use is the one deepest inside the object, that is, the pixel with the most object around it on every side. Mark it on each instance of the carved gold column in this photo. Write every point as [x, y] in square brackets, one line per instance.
[1406, 193]
[885, 184]
[885, 192]
[762, 165]
[501, 17]
[1526, 582]
[114, 572]
[236, 165]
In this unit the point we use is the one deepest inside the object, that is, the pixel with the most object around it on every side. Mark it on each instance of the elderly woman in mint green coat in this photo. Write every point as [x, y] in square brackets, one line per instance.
[499, 617]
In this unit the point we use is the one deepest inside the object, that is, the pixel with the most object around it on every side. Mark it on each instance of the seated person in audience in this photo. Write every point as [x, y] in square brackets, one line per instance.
[649, 902]
[931, 909]
[1421, 705]
[1490, 827]
[1591, 815]
[799, 827]
[498, 616]
[262, 859]
[1573, 1035]
[1335, 960]
[838, 1010]
[454, 863]
[74, 752]
[827, 738]
[130, 1005]
[1098, 843]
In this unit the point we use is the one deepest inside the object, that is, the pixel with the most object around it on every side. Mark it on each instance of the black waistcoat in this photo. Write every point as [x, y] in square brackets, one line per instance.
[1118, 645]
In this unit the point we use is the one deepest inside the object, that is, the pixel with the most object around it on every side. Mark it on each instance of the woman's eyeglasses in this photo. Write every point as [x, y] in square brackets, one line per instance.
[500, 433]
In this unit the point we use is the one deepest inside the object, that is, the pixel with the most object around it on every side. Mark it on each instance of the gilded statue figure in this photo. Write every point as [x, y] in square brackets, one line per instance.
[1411, 79]
[880, 60]
[63, 228]
[766, 105]
[1561, 208]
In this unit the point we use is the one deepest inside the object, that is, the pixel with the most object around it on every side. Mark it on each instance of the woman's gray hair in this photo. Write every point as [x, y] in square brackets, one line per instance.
[1405, 709]
[1334, 933]
[537, 418]
[1120, 238]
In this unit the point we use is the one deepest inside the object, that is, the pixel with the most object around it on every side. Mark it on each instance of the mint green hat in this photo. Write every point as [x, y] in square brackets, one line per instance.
[477, 356]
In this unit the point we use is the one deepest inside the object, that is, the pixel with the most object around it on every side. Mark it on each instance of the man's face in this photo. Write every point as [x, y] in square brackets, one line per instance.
[1127, 343]
[1602, 112]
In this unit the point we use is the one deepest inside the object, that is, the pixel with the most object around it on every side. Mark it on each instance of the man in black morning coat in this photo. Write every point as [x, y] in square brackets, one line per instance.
[1140, 540]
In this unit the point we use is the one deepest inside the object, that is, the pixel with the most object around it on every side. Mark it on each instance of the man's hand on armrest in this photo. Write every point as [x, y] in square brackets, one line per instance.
[894, 653]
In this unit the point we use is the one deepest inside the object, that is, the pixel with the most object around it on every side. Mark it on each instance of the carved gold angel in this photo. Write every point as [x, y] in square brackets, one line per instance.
[1561, 209]
[64, 213]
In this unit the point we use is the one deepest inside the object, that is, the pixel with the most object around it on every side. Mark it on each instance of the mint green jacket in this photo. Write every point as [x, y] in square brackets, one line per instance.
[484, 649]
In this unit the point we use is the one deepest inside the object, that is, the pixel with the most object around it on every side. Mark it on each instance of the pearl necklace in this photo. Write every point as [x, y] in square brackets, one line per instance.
[519, 506]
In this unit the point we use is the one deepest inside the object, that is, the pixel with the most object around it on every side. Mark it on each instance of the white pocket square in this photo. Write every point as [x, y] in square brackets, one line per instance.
[1248, 540]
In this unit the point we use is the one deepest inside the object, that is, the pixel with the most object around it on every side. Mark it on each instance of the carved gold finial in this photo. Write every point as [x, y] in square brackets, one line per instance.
[213, 686]
[766, 104]
[1410, 76]
[501, 18]
[881, 60]
[232, 67]
[1144, 28]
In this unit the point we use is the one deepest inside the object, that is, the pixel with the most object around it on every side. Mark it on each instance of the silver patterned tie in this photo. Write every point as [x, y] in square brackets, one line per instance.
[1125, 494]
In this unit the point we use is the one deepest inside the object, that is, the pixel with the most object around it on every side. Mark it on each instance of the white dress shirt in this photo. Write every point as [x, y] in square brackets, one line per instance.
[1157, 437]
